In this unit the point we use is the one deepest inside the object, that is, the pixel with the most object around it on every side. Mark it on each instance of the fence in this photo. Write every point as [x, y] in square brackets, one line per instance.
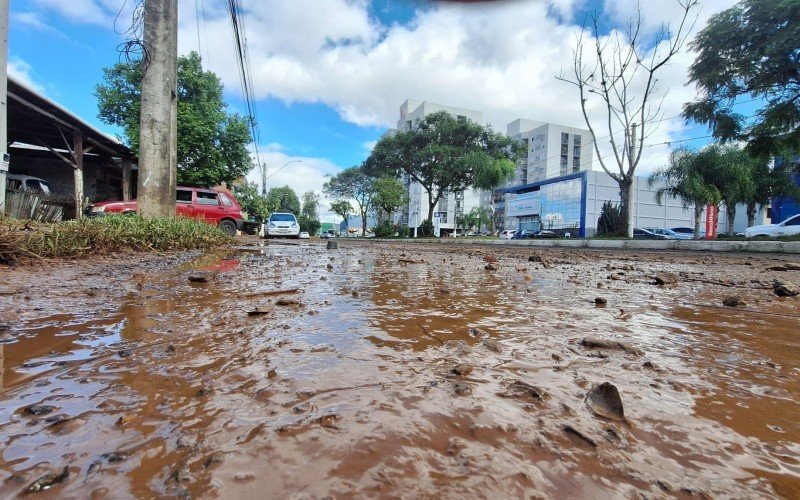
[39, 206]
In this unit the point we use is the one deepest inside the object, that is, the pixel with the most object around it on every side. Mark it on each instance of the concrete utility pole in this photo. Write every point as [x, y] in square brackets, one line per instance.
[632, 198]
[3, 103]
[264, 179]
[158, 130]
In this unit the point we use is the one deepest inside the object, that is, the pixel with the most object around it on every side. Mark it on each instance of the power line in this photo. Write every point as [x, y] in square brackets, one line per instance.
[240, 44]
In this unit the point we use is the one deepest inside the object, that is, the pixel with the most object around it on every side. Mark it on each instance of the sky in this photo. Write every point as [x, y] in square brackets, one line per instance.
[329, 76]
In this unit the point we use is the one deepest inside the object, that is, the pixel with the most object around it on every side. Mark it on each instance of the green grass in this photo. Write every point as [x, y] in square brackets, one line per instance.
[27, 240]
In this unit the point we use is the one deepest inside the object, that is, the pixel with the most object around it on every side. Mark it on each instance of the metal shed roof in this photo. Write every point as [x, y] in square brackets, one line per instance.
[37, 120]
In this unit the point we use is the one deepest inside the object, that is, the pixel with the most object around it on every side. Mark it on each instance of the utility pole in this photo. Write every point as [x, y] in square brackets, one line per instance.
[4, 159]
[158, 130]
[632, 197]
[264, 179]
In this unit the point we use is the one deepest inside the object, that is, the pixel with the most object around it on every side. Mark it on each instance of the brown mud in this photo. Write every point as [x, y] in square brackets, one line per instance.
[399, 370]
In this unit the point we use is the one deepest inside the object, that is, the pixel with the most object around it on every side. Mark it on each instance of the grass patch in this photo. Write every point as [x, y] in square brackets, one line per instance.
[29, 240]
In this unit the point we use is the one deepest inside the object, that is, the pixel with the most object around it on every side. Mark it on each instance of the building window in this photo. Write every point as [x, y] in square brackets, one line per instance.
[577, 140]
[564, 138]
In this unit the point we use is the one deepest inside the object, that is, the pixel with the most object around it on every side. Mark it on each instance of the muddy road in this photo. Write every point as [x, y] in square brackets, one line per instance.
[400, 370]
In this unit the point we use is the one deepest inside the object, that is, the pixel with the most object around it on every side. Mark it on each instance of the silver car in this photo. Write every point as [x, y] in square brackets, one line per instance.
[282, 224]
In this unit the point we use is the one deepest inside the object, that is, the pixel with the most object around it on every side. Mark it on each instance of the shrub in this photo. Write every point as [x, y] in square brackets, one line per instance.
[426, 228]
[386, 229]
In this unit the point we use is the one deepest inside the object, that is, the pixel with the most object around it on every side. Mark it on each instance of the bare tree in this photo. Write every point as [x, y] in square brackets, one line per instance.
[621, 74]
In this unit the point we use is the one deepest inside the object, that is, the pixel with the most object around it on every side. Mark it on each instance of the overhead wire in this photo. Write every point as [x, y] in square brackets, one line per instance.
[245, 79]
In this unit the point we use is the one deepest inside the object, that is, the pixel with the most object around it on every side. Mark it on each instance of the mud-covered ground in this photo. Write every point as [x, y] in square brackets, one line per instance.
[399, 370]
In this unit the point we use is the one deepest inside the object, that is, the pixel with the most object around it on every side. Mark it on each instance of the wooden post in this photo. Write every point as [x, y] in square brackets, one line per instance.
[77, 152]
[126, 179]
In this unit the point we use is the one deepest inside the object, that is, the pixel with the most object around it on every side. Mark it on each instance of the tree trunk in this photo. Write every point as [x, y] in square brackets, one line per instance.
[363, 222]
[698, 211]
[626, 206]
[730, 212]
[751, 214]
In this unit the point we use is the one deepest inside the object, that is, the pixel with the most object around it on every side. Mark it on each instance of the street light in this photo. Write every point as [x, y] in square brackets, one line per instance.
[264, 175]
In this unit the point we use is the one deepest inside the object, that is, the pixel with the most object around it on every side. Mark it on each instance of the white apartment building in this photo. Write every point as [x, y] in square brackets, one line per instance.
[451, 205]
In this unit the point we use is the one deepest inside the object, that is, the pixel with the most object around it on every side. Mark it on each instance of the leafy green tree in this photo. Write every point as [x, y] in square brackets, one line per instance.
[390, 194]
[212, 144]
[283, 199]
[353, 184]
[445, 154]
[343, 209]
[308, 224]
[311, 205]
[692, 177]
[476, 218]
[750, 51]
[768, 183]
[251, 201]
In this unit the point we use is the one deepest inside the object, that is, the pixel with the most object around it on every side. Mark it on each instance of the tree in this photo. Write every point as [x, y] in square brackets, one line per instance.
[308, 224]
[212, 144]
[353, 184]
[691, 176]
[768, 183]
[476, 218]
[752, 51]
[343, 209]
[283, 199]
[250, 201]
[445, 154]
[735, 180]
[610, 221]
[390, 194]
[620, 73]
[311, 205]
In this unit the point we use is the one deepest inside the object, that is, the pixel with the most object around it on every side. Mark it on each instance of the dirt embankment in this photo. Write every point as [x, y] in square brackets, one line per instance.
[392, 369]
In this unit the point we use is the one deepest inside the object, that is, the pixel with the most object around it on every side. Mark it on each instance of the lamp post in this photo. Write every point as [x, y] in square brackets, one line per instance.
[415, 214]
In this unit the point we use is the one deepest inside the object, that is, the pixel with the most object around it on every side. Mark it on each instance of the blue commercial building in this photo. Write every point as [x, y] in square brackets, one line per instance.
[784, 207]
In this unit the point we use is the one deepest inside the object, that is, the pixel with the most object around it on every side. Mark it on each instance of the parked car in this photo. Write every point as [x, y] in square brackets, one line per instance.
[506, 234]
[209, 205]
[789, 227]
[328, 234]
[282, 224]
[688, 230]
[522, 234]
[304, 235]
[669, 233]
[28, 183]
[644, 234]
[543, 233]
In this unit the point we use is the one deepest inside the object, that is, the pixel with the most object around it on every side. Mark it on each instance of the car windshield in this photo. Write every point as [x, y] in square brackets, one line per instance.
[281, 218]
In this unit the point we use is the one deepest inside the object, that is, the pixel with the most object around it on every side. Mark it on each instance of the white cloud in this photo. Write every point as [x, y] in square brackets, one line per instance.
[300, 172]
[499, 58]
[22, 71]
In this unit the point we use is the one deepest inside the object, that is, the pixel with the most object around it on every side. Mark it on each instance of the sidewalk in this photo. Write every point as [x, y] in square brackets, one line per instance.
[785, 247]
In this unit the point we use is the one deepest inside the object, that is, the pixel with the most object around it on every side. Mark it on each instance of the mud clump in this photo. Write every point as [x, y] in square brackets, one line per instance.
[600, 301]
[593, 342]
[604, 400]
[733, 301]
[332, 245]
[785, 289]
[492, 345]
[48, 481]
[462, 369]
[490, 267]
[665, 279]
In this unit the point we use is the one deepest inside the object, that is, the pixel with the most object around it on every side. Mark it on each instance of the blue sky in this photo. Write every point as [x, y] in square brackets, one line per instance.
[330, 75]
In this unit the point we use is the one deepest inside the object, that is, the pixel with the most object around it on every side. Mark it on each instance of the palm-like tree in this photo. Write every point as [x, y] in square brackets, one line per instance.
[692, 177]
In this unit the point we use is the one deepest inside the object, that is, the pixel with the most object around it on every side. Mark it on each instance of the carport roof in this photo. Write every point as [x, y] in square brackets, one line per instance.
[35, 119]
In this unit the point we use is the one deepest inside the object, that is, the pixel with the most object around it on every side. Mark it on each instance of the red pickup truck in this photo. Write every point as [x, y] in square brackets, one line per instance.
[211, 206]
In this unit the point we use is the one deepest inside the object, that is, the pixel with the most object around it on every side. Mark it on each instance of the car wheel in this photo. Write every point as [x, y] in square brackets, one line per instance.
[228, 227]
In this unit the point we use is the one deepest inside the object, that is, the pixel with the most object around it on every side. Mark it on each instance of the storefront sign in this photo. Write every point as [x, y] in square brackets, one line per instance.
[522, 204]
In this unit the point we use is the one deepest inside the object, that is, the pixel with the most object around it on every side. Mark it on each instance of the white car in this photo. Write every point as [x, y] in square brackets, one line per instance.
[789, 227]
[506, 234]
[304, 235]
[282, 224]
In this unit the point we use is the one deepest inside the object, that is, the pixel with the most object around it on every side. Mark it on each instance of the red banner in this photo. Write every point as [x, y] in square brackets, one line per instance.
[712, 215]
